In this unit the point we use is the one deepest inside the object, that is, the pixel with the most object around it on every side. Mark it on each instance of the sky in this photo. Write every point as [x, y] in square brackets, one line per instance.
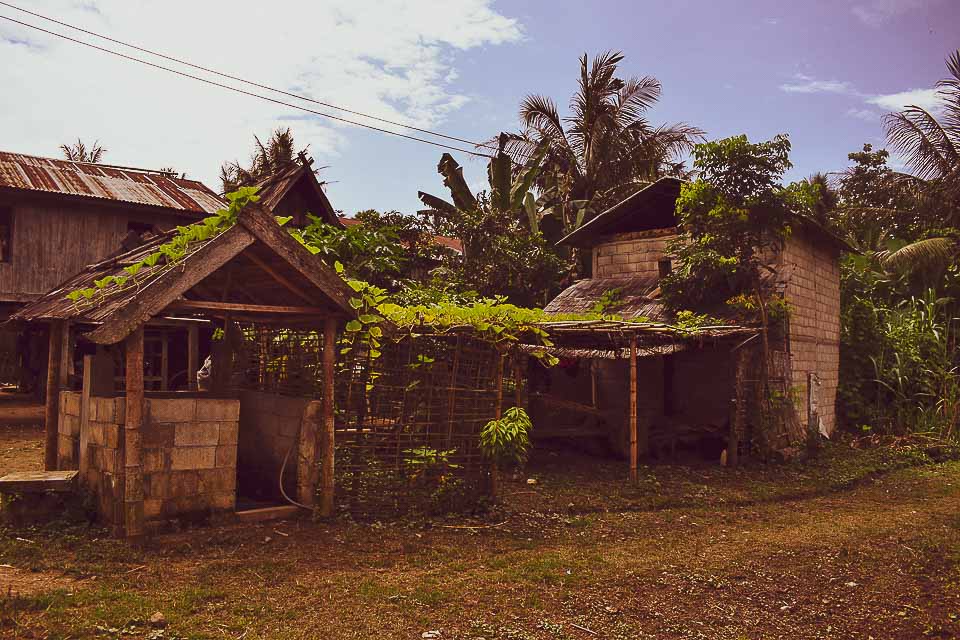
[823, 71]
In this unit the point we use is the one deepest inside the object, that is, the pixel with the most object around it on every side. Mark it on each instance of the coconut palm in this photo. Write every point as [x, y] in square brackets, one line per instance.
[606, 149]
[267, 159]
[79, 153]
[827, 198]
[930, 145]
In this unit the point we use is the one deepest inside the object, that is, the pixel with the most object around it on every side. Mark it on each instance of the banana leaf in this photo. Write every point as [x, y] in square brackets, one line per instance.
[452, 174]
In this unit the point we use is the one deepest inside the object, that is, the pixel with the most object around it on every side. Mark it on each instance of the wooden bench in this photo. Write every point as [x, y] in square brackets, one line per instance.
[39, 482]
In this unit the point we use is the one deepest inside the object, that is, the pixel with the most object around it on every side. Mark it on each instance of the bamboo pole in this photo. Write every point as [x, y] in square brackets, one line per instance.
[327, 430]
[634, 450]
[52, 405]
[133, 422]
[498, 412]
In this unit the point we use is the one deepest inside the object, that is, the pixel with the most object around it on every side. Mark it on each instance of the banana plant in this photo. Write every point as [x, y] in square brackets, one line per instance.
[510, 186]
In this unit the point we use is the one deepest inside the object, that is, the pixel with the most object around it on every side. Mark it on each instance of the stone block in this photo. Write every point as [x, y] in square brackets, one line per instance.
[209, 409]
[172, 409]
[155, 460]
[213, 481]
[222, 501]
[158, 435]
[229, 432]
[152, 508]
[72, 406]
[183, 483]
[193, 458]
[226, 456]
[111, 435]
[196, 434]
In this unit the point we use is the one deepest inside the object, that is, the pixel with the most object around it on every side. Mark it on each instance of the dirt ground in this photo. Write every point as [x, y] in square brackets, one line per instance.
[860, 544]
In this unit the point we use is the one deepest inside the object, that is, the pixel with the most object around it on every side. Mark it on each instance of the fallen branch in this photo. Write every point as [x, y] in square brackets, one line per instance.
[470, 526]
[576, 626]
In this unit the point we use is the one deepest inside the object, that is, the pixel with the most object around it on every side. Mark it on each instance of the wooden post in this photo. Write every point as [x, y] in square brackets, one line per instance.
[135, 410]
[193, 356]
[84, 462]
[164, 360]
[634, 451]
[327, 442]
[52, 408]
[518, 380]
[66, 356]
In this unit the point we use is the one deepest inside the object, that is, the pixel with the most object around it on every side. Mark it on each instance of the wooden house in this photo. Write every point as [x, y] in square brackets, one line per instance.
[684, 396]
[58, 216]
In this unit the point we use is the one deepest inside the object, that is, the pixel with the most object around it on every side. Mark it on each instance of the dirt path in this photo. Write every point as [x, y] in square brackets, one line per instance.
[880, 560]
[21, 448]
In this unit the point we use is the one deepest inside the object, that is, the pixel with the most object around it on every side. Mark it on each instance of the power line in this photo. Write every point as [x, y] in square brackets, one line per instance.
[244, 80]
[241, 91]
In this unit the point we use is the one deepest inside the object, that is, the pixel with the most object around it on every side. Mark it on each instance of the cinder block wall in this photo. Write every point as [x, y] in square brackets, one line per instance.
[68, 428]
[189, 452]
[188, 448]
[812, 273]
[628, 254]
[269, 427]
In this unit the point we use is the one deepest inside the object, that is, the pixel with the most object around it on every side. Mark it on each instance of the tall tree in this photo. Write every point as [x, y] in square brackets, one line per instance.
[931, 146]
[606, 149]
[278, 154]
[79, 153]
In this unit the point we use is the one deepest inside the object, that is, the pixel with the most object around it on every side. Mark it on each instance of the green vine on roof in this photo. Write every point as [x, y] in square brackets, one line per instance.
[171, 252]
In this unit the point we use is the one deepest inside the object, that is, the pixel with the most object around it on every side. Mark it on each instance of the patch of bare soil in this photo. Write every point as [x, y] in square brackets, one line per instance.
[16, 582]
[21, 448]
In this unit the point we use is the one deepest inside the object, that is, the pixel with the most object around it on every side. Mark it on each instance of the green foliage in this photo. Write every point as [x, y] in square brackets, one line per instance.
[732, 216]
[172, 251]
[507, 440]
[687, 320]
[609, 300]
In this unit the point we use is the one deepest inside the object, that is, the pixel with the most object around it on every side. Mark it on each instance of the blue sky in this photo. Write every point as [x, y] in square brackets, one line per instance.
[823, 72]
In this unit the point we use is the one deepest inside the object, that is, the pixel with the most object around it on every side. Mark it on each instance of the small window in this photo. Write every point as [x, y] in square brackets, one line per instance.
[139, 228]
[6, 234]
[665, 265]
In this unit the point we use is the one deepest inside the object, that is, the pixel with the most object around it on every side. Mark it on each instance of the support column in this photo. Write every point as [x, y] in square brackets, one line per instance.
[133, 517]
[498, 413]
[326, 431]
[84, 462]
[310, 424]
[741, 359]
[193, 356]
[634, 449]
[52, 407]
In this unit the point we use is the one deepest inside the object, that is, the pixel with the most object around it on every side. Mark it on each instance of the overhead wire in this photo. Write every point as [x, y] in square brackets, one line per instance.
[246, 81]
[241, 91]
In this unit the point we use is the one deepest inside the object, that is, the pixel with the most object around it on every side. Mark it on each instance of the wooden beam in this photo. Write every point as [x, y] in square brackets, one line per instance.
[133, 517]
[327, 442]
[66, 356]
[634, 452]
[52, 410]
[262, 225]
[292, 288]
[209, 305]
[498, 413]
[84, 462]
[193, 356]
[171, 285]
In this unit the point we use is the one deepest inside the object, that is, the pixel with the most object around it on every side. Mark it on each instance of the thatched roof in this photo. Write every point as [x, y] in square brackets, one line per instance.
[253, 270]
[632, 298]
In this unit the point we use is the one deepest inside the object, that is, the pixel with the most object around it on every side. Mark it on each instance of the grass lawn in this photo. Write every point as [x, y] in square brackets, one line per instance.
[858, 544]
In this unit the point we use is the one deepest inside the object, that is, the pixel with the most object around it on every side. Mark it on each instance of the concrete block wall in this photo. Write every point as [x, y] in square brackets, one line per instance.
[629, 254]
[813, 293]
[269, 425]
[189, 449]
[68, 428]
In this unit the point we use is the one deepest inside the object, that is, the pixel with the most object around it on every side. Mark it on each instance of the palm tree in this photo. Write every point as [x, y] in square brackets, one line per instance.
[79, 153]
[827, 198]
[931, 146]
[606, 149]
[267, 159]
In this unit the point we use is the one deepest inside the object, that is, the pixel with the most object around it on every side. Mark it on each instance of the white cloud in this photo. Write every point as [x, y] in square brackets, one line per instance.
[807, 84]
[393, 58]
[925, 98]
[867, 115]
[876, 12]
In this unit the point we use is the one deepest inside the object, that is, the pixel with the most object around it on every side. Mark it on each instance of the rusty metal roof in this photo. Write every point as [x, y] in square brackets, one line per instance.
[120, 184]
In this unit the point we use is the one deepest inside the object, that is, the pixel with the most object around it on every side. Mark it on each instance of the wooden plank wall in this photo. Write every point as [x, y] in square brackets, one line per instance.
[52, 241]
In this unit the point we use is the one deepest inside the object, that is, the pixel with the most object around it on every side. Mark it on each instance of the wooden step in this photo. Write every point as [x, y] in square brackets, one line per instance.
[38, 481]
[268, 513]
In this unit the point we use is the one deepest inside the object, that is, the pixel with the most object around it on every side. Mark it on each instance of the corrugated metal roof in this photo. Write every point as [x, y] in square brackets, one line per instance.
[151, 188]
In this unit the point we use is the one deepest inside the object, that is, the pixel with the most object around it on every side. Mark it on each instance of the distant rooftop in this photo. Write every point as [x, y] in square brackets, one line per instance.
[106, 182]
